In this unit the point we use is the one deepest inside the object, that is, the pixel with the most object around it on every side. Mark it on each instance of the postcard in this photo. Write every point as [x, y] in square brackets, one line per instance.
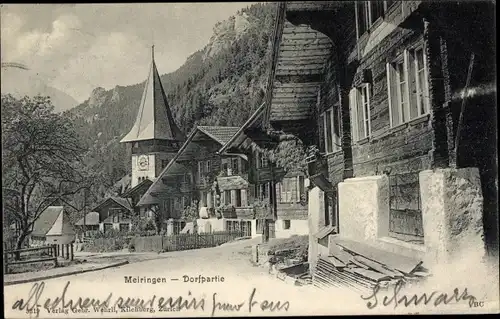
[249, 159]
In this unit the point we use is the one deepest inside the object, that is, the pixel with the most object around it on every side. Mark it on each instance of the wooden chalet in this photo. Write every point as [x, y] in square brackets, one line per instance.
[281, 195]
[115, 213]
[198, 174]
[382, 87]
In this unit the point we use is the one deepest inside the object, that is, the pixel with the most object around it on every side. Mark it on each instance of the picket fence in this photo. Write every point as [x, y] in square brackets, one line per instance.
[183, 241]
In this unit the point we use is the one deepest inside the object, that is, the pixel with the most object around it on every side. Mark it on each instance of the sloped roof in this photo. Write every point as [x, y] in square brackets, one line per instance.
[124, 202]
[46, 220]
[61, 226]
[91, 218]
[221, 134]
[154, 119]
[253, 121]
[298, 50]
[145, 183]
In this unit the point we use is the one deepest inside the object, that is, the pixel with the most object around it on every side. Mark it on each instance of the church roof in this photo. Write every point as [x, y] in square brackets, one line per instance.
[154, 119]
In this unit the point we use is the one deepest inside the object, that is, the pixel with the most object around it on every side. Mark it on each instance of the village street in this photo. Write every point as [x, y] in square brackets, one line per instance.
[229, 262]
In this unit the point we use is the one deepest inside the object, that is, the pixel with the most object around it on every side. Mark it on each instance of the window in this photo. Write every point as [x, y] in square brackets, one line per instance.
[263, 191]
[331, 127]
[286, 224]
[420, 88]
[261, 160]
[227, 197]
[376, 10]
[201, 170]
[238, 198]
[367, 12]
[171, 205]
[234, 166]
[208, 166]
[290, 188]
[359, 102]
[407, 87]
[225, 167]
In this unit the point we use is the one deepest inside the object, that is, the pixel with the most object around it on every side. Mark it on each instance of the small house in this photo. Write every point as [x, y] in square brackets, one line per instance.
[88, 224]
[52, 227]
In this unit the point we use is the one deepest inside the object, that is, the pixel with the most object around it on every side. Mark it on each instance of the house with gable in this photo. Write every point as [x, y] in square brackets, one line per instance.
[404, 102]
[53, 226]
[217, 186]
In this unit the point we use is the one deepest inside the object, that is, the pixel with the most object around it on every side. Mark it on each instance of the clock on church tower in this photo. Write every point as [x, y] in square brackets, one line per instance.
[143, 162]
[155, 138]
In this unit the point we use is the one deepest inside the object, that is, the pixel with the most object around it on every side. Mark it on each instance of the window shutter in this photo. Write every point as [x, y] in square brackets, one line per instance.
[392, 95]
[297, 188]
[233, 197]
[244, 199]
[407, 80]
[412, 84]
[369, 115]
[354, 116]
[360, 112]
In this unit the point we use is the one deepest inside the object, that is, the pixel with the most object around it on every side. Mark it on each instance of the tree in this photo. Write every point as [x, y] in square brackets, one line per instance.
[41, 159]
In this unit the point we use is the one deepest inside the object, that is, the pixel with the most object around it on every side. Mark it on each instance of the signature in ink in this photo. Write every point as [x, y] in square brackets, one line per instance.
[435, 298]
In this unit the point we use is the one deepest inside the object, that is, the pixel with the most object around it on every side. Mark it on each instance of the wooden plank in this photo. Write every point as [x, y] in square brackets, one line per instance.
[29, 261]
[340, 254]
[373, 275]
[399, 262]
[303, 53]
[303, 60]
[378, 267]
[299, 72]
[306, 41]
[357, 263]
[28, 249]
[337, 263]
[304, 85]
[310, 35]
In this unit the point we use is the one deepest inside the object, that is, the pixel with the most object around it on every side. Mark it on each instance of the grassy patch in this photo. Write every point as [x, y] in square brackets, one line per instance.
[41, 266]
[294, 242]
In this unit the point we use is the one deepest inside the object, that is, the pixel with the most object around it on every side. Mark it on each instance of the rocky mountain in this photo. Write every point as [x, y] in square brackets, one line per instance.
[221, 84]
[20, 81]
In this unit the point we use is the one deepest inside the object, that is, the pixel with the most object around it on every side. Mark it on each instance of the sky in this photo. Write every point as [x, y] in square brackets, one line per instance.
[78, 47]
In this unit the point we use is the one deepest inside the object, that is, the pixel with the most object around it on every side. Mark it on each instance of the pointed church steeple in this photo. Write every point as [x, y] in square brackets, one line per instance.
[154, 120]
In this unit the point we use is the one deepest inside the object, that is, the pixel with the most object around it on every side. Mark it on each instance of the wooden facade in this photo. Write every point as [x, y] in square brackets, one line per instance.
[381, 76]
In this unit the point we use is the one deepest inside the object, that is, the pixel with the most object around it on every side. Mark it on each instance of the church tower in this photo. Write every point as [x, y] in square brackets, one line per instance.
[155, 138]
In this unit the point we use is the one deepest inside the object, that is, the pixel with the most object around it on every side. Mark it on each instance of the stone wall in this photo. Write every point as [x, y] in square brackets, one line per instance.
[452, 208]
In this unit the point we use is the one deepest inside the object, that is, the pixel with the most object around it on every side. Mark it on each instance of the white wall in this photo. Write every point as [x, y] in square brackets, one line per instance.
[215, 225]
[136, 173]
[60, 239]
[297, 227]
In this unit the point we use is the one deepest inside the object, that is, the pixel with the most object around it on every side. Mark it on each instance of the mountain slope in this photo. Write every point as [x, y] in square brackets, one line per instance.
[222, 84]
[20, 82]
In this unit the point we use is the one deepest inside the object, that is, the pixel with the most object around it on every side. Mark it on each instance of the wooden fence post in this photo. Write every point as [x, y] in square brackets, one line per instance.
[54, 250]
